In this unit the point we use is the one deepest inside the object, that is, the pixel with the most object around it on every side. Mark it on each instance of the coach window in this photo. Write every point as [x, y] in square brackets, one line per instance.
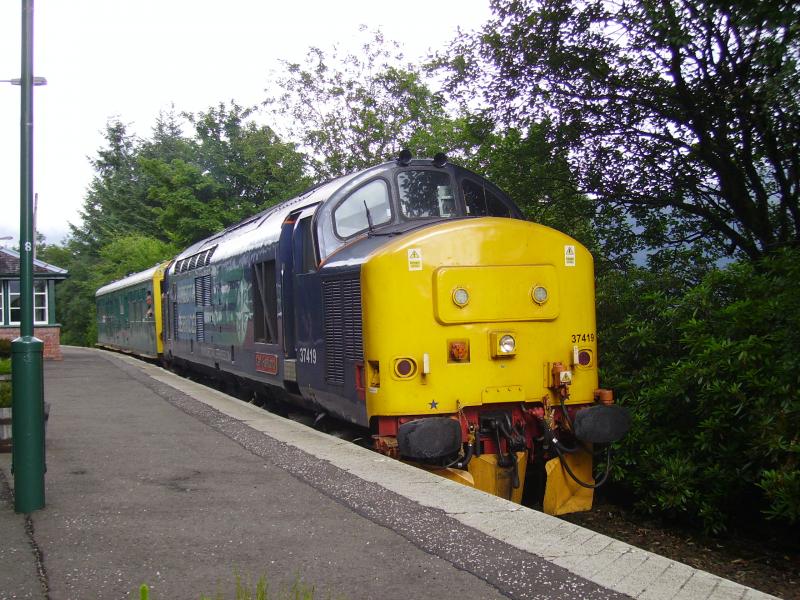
[426, 194]
[481, 202]
[265, 303]
[368, 204]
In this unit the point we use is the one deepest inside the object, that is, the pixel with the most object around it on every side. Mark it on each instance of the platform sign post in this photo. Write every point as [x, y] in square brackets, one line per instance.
[28, 457]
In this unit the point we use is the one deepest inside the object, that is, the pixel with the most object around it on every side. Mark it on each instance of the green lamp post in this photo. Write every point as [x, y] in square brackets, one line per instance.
[28, 458]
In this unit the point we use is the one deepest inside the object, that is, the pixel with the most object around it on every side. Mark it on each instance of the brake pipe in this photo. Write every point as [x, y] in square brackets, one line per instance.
[557, 447]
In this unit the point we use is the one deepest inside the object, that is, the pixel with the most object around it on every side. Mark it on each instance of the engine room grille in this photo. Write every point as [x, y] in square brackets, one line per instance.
[341, 299]
[202, 290]
[200, 326]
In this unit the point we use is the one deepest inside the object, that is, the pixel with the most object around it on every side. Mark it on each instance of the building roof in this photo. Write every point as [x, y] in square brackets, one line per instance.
[9, 267]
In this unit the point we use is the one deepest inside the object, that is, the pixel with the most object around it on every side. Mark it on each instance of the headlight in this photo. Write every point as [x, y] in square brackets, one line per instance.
[503, 344]
[539, 294]
[507, 344]
[460, 296]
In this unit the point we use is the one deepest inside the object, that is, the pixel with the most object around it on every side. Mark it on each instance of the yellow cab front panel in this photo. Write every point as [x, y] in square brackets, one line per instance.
[479, 318]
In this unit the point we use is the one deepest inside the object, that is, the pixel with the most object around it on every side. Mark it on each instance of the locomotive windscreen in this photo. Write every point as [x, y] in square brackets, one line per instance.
[426, 194]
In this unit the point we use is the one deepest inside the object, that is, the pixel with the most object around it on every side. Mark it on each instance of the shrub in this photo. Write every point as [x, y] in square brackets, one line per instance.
[5, 366]
[711, 377]
[5, 348]
[5, 394]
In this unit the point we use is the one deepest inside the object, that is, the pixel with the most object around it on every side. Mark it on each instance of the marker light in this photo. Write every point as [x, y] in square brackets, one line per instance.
[460, 297]
[584, 358]
[405, 367]
[539, 294]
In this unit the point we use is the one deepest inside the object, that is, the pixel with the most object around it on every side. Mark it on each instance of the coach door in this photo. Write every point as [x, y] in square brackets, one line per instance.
[297, 258]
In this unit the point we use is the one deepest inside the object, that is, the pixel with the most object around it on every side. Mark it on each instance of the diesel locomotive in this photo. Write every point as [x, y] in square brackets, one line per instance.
[410, 298]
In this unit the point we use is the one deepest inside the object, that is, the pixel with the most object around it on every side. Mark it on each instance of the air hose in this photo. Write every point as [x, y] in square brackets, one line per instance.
[557, 446]
[462, 462]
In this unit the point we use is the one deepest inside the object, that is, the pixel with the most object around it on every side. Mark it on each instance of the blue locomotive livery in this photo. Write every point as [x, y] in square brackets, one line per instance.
[410, 298]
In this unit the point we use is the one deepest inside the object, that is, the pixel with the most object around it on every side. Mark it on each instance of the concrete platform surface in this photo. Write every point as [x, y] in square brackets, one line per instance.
[156, 479]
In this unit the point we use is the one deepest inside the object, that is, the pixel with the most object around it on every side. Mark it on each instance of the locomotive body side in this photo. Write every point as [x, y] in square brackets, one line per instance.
[238, 305]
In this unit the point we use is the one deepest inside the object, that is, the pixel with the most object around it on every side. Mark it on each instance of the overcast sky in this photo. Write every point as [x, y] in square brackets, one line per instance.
[133, 58]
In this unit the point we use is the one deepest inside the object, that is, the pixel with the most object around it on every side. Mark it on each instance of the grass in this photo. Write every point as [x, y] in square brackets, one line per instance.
[246, 589]
[260, 590]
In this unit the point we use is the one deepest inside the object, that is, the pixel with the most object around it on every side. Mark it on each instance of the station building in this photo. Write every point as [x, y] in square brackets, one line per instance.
[45, 277]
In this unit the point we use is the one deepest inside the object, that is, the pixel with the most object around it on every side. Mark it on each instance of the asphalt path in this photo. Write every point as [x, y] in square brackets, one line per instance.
[157, 482]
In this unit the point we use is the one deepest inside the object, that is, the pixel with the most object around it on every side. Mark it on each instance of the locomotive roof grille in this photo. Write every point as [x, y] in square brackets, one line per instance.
[195, 261]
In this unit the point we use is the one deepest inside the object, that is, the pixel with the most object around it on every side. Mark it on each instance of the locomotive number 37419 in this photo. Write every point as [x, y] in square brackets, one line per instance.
[307, 355]
[582, 337]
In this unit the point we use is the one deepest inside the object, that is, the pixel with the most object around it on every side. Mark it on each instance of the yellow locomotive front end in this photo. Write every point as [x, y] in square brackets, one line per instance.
[480, 355]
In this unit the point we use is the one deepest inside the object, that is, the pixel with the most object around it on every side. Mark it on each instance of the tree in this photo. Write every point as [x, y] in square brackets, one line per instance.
[230, 170]
[252, 165]
[130, 254]
[151, 197]
[355, 111]
[685, 112]
[178, 189]
[115, 203]
[190, 204]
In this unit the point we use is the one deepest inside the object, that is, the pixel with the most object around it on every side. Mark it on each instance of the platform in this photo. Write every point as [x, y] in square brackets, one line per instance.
[155, 479]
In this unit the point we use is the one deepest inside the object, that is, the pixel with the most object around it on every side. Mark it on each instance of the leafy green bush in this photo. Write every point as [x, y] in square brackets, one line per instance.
[5, 348]
[5, 394]
[5, 366]
[712, 378]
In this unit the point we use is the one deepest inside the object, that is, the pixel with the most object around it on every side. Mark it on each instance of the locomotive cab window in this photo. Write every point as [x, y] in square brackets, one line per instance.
[368, 204]
[265, 303]
[426, 194]
[481, 202]
[309, 257]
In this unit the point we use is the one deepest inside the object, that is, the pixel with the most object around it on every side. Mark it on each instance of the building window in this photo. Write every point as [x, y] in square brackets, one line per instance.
[40, 302]
[13, 302]
[2, 303]
[40, 311]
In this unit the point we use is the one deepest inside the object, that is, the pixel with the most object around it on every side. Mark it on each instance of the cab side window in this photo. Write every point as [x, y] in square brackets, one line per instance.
[309, 259]
[367, 203]
[481, 202]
